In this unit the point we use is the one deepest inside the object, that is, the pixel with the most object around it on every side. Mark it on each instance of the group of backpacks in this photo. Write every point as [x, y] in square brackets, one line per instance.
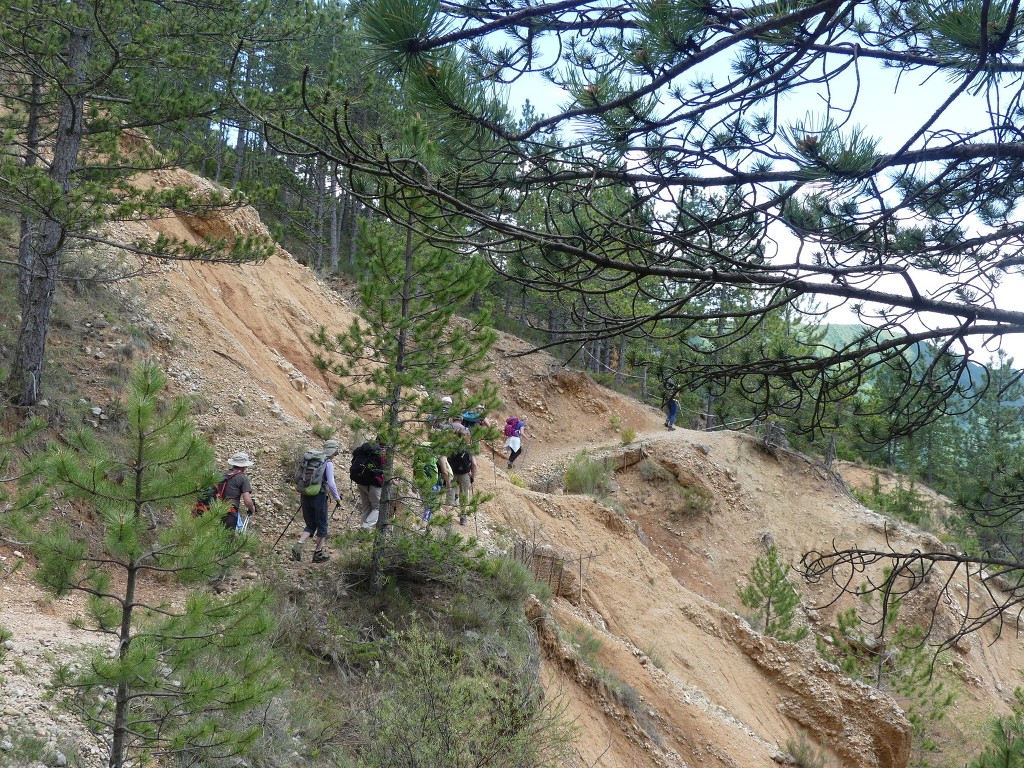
[367, 467]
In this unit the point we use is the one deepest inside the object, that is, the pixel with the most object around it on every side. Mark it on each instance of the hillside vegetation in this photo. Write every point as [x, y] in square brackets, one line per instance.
[632, 615]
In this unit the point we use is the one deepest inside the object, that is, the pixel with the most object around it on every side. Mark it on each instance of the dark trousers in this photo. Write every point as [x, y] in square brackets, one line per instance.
[314, 514]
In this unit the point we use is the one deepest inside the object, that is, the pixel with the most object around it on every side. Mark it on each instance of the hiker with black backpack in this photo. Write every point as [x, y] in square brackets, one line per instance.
[463, 466]
[314, 479]
[367, 472]
[238, 492]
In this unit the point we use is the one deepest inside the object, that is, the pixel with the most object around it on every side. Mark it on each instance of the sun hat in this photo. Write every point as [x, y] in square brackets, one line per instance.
[331, 447]
[240, 459]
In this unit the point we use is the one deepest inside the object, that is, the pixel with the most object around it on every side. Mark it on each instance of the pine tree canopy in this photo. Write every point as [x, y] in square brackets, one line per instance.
[685, 167]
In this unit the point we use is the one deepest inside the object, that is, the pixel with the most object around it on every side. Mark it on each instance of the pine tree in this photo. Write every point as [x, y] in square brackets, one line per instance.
[82, 81]
[1006, 746]
[182, 677]
[408, 349]
[773, 596]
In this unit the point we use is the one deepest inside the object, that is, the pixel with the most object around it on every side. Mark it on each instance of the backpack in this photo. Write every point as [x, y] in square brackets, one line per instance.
[424, 470]
[214, 493]
[367, 465]
[461, 462]
[513, 426]
[309, 474]
[471, 418]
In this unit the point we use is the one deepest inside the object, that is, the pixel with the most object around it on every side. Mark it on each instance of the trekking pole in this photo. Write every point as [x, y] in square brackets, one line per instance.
[245, 523]
[283, 532]
[334, 511]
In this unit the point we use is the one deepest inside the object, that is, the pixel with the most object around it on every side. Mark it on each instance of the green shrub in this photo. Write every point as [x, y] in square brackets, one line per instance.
[586, 643]
[433, 705]
[773, 596]
[511, 581]
[628, 435]
[587, 475]
[653, 472]
[322, 429]
[902, 502]
[1006, 739]
[694, 501]
[655, 658]
[804, 753]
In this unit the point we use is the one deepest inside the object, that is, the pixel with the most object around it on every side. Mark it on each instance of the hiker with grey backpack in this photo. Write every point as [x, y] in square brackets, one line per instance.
[314, 479]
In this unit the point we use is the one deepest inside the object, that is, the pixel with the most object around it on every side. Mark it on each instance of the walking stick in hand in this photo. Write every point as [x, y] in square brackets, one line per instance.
[281, 535]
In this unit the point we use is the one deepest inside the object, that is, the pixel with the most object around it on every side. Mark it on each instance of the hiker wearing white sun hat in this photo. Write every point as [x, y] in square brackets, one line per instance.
[239, 490]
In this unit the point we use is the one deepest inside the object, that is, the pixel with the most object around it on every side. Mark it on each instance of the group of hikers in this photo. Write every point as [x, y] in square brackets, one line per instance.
[438, 479]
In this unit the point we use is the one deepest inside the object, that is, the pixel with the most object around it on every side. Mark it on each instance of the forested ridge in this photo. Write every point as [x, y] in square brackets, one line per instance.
[663, 222]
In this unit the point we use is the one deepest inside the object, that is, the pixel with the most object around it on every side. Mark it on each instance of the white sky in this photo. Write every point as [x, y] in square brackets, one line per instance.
[890, 108]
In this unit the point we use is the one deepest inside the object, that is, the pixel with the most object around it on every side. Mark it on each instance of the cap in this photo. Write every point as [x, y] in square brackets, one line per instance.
[331, 447]
[446, 400]
[240, 459]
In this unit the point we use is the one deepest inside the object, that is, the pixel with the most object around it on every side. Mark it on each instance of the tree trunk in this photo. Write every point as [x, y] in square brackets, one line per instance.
[620, 361]
[353, 232]
[394, 408]
[335, 223]
[317, 235]
[49, 241]
[119, 742]
[26, 258]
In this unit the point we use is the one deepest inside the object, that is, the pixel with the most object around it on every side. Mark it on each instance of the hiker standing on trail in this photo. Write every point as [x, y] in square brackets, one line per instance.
[475, 417]
[314, 507]
[431, 475]
[515, 432]
[463, 466]
[367, 472]
[673, 411]
[456, 424]
[238, 491]
[440, 420]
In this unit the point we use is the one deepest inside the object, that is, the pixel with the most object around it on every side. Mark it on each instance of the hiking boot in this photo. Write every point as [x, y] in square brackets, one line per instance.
[296, 552]
[463, 519]
[510, 465]
[320, 556]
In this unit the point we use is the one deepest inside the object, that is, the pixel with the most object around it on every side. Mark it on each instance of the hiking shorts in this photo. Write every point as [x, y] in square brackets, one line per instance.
[314, 514]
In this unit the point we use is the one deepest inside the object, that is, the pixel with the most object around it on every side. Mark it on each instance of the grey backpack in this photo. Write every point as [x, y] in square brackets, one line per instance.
[309, 474]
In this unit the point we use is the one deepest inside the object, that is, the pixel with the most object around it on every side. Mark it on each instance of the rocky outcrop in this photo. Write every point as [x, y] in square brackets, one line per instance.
[860, 724]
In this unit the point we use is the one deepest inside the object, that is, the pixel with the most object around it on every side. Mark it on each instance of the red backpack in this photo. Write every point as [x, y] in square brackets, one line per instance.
[213, 493]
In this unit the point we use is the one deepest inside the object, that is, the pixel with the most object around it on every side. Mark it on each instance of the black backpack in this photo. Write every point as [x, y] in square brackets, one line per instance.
[309, 474]
[214, 493]
[461, 462]
[367, 465]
